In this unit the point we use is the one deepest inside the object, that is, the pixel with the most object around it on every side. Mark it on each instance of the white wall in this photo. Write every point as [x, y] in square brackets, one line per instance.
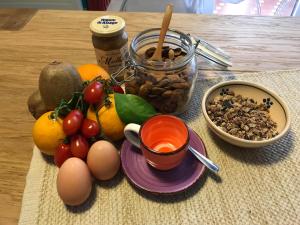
[42, 4]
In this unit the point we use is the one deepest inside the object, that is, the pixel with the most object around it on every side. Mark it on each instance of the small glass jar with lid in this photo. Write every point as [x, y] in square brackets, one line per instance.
[168, 85]
[110, 42]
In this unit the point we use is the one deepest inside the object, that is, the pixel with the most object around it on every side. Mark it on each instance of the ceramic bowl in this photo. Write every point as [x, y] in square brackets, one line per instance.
[278, 110]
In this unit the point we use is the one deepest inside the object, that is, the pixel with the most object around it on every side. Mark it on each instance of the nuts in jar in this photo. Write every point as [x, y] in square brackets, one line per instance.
[110, 42]
[167, 85]
[167, 53]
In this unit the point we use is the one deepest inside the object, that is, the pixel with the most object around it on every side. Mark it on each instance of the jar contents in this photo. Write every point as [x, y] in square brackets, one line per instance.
[167, 90]
[168, 54]
[110, 42]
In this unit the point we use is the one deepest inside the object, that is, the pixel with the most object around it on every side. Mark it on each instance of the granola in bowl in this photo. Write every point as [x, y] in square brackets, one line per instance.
[242, 117]
[245, 114]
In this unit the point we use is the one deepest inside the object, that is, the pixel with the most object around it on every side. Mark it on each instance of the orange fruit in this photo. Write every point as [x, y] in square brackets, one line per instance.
[91, 71]
[48, 133]
[111, 124]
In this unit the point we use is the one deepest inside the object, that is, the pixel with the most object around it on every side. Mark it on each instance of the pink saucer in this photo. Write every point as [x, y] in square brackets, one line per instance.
[172, 181]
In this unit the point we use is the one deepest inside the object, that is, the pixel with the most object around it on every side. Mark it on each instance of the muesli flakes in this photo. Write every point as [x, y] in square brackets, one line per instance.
[241, 116]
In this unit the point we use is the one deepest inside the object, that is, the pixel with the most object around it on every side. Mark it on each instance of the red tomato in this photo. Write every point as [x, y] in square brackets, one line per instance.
[93, 93]
[90, 128]
[118, 89]
[62, 153]
[72, 122]
[79, 146]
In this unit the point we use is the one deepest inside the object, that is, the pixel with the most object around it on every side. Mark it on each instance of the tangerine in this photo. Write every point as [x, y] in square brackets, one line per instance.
[48, 133]
[111, 124]
[91, 71]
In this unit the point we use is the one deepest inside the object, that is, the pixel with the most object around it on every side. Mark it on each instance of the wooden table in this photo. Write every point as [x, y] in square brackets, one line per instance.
[30, 39]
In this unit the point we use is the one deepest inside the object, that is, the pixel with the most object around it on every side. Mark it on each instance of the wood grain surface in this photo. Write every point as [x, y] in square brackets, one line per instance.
[255, 44]
[15, 19]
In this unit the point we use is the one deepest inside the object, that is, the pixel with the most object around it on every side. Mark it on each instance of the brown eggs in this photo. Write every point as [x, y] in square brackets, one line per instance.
[74, 182]
[103, 160]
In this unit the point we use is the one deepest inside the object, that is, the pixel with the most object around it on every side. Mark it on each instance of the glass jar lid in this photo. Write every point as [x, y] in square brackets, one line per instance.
[191, 45]
[107, 26]
[211, 53]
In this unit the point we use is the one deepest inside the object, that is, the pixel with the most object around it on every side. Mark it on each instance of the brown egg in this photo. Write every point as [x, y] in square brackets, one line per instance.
[74, 182]
[103, 160]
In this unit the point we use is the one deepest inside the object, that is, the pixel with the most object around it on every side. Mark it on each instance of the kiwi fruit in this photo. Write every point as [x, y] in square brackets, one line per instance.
[58, 81]
[36, 105]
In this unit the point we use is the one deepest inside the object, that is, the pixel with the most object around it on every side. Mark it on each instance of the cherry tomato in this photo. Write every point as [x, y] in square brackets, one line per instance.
[93, 93]
[89, 128]
[62, 153]
[118, 89]
[79, 146]
[72, 122]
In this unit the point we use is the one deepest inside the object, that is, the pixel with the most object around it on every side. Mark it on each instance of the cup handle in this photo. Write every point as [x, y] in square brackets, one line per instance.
[129, 131]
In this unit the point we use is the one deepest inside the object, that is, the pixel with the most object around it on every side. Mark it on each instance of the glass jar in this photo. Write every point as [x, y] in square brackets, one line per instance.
[168, 85]
[110, 42]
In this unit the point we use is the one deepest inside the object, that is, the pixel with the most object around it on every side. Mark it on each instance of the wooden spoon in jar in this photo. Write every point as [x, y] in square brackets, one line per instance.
[164, 28]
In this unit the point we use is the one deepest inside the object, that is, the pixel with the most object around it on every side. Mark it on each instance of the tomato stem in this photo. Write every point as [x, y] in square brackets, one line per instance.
[66, 140]
[77, 104]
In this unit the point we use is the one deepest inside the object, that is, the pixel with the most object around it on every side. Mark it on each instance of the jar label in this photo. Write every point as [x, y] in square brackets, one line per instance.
[111, 61]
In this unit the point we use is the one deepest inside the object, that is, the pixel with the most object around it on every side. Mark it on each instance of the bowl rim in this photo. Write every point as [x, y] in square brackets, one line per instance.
[255, 85]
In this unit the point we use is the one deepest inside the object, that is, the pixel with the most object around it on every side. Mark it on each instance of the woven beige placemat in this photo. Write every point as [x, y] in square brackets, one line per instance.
[253, 187]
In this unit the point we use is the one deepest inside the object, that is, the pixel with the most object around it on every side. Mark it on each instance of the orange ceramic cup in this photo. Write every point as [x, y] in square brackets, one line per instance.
[163, 140]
